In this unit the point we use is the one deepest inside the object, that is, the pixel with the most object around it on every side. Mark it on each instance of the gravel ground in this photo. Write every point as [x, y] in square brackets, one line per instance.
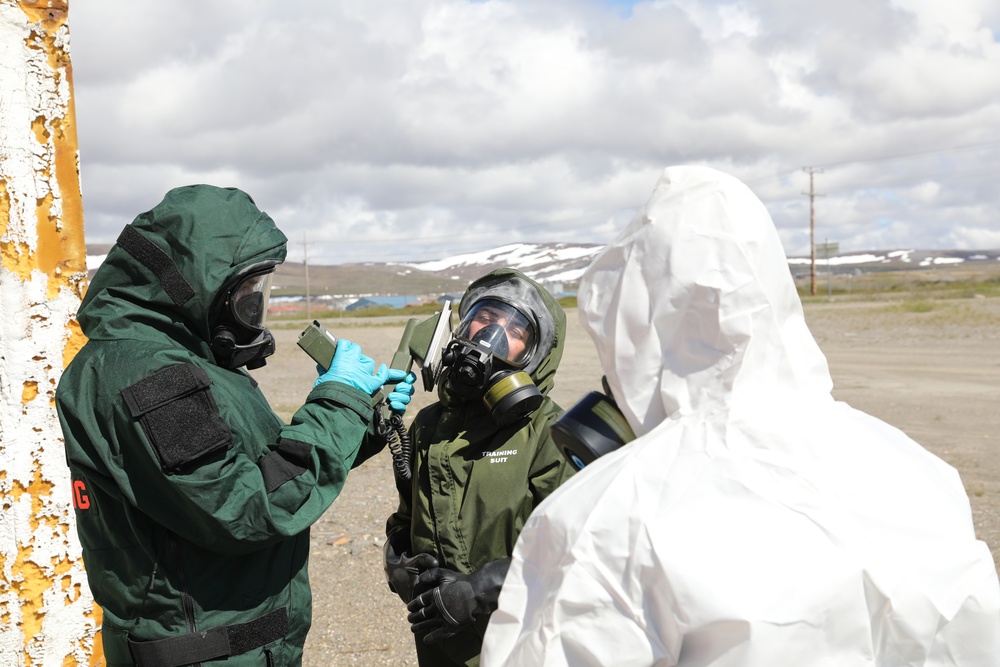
[934, 374]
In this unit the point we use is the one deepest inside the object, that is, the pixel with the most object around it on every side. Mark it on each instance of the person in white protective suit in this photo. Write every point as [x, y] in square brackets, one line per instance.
[754, 521]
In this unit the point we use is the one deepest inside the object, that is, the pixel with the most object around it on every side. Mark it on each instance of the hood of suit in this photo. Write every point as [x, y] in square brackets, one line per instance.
[693, 307]
[191, 244]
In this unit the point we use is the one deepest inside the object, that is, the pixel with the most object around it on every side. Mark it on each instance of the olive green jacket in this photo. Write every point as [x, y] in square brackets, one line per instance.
[475, 483]
[193, 499]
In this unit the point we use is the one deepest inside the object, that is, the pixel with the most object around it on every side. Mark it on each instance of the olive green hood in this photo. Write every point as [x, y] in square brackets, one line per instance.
[161, 278]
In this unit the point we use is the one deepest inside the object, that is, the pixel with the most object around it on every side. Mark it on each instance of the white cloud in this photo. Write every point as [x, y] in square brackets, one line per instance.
[419, 129]
[966, 238]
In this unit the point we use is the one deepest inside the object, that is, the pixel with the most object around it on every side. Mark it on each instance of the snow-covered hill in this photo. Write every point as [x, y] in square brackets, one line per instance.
[545, 262]
[556, 265]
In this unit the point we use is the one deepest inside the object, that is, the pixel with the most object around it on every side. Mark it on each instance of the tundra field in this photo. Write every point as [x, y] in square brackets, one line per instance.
[929, 366]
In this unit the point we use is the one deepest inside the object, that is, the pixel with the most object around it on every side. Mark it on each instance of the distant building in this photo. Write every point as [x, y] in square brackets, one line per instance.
[555, 288]
[454, 298]
[384, 301]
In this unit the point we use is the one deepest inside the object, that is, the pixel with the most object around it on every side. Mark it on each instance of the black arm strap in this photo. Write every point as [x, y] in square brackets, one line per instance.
[288, 461]
[220, 642]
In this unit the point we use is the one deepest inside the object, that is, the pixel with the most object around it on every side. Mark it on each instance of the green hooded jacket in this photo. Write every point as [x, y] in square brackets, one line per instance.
[475, 483]
[193, 499]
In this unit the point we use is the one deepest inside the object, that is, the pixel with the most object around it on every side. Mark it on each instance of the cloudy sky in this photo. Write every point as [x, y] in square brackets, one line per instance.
[419, 129]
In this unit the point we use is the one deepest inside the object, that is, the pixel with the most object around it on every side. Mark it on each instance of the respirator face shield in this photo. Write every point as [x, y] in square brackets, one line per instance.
[239, 337]
[487, 319]
[248, 300]
[484, 360]
[593, 427]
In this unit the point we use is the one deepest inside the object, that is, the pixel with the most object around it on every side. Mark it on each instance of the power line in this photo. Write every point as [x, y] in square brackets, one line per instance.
[908, 155]
[882, 158]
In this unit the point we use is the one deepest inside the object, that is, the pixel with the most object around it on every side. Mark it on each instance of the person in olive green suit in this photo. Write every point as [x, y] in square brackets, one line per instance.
[483, 459]
[193, 499]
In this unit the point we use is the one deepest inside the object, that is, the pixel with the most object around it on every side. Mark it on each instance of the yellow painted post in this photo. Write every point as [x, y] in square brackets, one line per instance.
[47, 614]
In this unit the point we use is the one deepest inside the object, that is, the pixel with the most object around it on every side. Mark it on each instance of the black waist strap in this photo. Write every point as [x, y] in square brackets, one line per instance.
[211, 644]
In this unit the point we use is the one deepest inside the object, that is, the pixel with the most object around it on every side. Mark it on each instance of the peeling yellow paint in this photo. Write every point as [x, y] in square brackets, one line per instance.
[29, 392]
[38, 489]
[67, 169]
[30, 583]
[61, 565]
[17, 258]
[75, 341]
[47, 249]
[67, 163]
[51, 522]
[4, 207]
[10, 252]
[37, 563]
[97, 658]
[50, 13]
[41, 132]
[61, 251]
[61, 247]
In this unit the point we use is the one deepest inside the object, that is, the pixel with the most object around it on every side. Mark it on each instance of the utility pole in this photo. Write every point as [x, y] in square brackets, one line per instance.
[48, 614]
[305, 265]
[829, 271]
[812, 228]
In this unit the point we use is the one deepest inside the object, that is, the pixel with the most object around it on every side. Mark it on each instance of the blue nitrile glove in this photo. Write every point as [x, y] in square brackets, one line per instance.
[399, 397]
[353, 368]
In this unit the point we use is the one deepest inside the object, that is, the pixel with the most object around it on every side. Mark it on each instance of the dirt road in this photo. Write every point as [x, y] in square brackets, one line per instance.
[931, 369]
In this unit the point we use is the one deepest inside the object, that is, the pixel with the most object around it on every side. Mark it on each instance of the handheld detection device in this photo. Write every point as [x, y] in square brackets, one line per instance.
[319, 344]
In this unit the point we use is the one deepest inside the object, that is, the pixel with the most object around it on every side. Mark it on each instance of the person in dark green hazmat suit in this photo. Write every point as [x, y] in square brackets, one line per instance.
[483, 459]
[193, 499]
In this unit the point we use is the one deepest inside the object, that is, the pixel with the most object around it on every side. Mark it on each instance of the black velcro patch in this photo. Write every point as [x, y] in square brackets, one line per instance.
[289, 460]
[163, 267]
[179, 415]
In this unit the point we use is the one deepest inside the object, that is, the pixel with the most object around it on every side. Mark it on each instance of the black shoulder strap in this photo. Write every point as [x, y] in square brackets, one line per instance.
[146, 253]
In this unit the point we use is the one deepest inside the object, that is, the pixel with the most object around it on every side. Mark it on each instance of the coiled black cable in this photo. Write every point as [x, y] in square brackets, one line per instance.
[400, 448]
[398, 440]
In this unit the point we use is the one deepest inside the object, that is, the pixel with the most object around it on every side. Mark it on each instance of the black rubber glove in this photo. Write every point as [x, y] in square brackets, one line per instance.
[445, 601]
[401, 569]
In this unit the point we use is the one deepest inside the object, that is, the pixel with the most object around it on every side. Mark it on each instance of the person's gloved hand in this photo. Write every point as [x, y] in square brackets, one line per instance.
[446, 601]
[402, 570]
[353, 368]
[399, 397]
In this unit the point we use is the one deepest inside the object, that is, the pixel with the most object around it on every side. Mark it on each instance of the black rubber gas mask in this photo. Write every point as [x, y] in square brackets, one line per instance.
[239, 337]
[485, 360]
[593, 427]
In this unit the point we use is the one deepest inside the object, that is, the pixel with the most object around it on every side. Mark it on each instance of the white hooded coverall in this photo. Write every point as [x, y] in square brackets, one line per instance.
[755, 521]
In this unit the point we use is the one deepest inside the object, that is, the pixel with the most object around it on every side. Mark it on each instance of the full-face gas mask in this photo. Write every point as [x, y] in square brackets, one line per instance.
[593, 427]
[239, 337]
[485, 360]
